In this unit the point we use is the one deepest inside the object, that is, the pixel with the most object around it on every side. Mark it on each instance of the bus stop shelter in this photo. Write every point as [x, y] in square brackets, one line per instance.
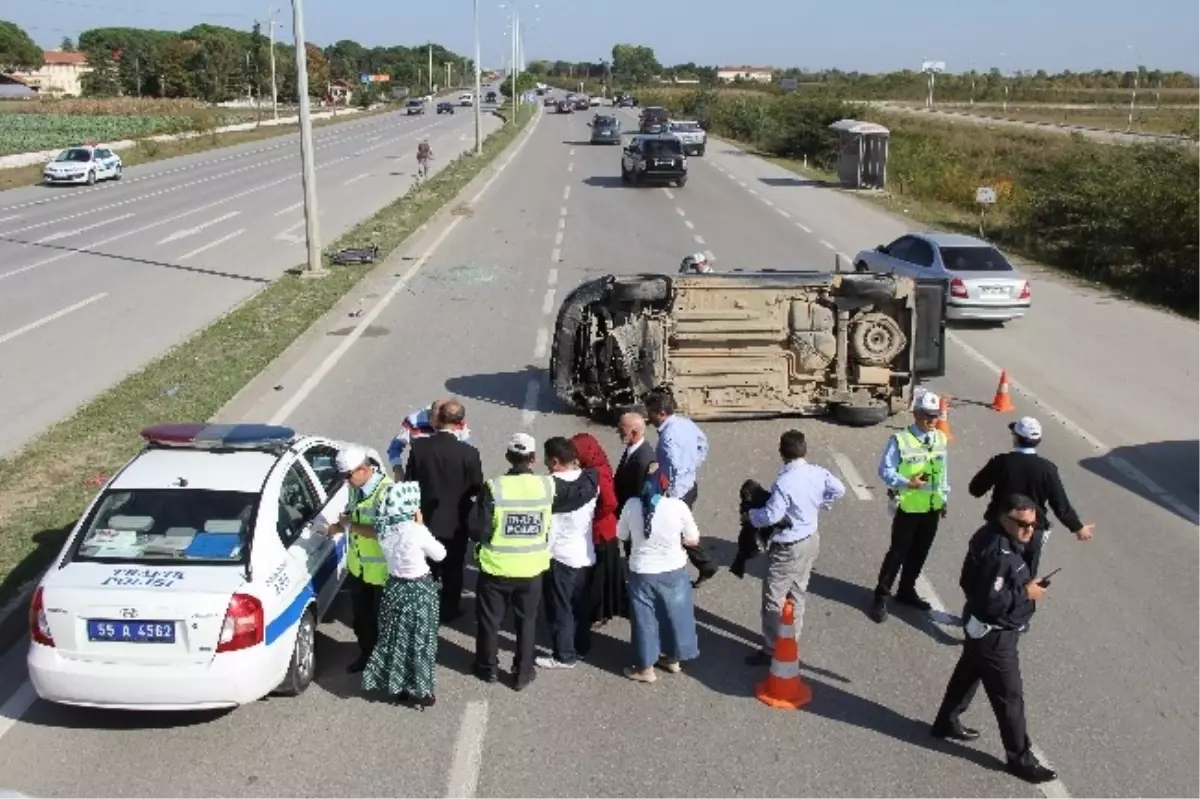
[862, 153]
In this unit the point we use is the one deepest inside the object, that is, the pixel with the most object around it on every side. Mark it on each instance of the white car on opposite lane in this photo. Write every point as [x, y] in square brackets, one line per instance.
[84, 163]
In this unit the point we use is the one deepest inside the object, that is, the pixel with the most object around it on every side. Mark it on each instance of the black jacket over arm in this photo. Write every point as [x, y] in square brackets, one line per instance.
[993, 578]
[450, 474]
[569, 496]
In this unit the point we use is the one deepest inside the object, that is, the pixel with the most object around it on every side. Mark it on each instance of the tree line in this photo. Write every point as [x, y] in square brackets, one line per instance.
[217, 64]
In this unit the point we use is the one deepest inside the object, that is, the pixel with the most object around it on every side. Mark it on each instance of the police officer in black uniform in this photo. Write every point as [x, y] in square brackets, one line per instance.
[1001, 599]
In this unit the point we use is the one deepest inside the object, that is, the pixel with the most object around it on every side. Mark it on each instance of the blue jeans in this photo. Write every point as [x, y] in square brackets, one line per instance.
[664, 619]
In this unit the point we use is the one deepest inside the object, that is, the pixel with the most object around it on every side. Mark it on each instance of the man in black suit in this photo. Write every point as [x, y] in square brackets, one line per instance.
[635, 460]
[450, 474]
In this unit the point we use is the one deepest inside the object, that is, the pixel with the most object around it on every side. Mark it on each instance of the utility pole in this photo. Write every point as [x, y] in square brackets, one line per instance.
[449, 83]
[515, 33]
[478, 87]
[431, 69]
[1133, 99]
[309, 175]
[274, 84]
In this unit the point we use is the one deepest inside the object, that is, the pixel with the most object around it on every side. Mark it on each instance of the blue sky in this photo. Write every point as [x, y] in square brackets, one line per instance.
[871, 35]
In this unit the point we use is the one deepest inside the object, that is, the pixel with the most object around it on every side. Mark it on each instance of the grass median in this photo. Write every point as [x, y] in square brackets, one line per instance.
[46, 485]
[148, 150]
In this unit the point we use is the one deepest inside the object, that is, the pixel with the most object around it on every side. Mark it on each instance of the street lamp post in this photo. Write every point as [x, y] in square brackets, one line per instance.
[1133, 97]
[274, 84]
[309, 175]
[478, 87]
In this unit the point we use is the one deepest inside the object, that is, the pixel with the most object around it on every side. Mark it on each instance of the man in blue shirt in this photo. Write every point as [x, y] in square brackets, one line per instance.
[421, 423]
[801, 490]
[682, 448]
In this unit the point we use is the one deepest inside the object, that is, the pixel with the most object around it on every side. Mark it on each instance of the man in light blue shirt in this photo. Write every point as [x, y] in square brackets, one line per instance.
[801, 490]
[682, 448]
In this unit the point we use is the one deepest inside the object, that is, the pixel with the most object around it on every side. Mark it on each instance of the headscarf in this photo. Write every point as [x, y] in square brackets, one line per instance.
[591, 454]
[400, 504]
[653, 490]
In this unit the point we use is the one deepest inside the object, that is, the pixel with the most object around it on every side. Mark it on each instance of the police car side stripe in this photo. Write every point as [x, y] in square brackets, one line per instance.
[292, 613]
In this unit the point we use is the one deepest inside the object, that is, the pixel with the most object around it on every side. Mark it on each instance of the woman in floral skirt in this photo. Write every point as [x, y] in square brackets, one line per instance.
[404, 661]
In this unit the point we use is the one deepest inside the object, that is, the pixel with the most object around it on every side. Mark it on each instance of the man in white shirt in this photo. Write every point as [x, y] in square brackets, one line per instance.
[572, 554]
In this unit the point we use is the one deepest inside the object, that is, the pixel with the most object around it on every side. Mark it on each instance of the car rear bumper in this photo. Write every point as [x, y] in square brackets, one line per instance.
[229, 680]
[966, 311]
[656, 174]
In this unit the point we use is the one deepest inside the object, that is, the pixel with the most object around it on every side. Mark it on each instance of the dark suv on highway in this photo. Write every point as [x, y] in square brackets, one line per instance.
[654, 159]
[605, 130]
[654, 119]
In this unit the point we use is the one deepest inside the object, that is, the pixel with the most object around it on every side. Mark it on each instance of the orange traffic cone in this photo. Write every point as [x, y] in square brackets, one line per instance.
[943, 422]
[783, 689]
[1002, 402]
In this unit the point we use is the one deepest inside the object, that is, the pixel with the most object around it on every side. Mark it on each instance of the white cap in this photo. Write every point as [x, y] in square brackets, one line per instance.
[522, 444]
[350, 458]
[927, 402]
[1027, 427]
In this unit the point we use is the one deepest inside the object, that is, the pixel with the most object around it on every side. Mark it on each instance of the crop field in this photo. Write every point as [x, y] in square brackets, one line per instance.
[33, 125]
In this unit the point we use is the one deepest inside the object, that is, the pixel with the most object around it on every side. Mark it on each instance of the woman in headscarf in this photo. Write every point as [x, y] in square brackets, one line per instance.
[404, 661]
[660, 590]
[608, 574]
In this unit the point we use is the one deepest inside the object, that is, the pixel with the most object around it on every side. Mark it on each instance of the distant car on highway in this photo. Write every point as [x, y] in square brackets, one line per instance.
[550, 102]
[466, 99]
[982, 284]
[593, 101]
[197, 575]
[414, 106]
[605, 129]
[83, 163]
[654, 159]
[565, 107]
[490, 97]
[624, 101]
[694, 138]
[445, 107]
[582, 102]
[753, 344]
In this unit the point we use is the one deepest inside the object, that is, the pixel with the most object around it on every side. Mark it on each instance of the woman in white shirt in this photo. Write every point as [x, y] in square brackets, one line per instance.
[404, 661]
[660, 590]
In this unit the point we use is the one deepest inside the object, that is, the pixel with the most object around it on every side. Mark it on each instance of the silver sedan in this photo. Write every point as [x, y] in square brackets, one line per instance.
[983, 285]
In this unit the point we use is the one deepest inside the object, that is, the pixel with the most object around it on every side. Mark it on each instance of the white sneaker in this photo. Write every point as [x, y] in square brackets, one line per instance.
[550, 663]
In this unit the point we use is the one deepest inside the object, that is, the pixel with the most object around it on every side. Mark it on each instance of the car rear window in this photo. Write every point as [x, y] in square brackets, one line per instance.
[974, 259]
[662, 148]
[168, 526]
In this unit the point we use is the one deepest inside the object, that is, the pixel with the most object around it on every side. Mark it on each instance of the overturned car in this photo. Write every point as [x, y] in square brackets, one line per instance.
[742, 344]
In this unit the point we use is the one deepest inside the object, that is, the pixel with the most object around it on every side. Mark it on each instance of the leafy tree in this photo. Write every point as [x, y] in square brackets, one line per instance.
[633, 64]
[525, 82]
[67, 46]
[17, 50]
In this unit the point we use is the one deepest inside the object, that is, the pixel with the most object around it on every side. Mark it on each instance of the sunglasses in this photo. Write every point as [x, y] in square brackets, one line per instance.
[1022, 524]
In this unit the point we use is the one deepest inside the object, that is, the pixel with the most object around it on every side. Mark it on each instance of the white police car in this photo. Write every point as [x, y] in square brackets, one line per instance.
[83, 163]
[197, 575]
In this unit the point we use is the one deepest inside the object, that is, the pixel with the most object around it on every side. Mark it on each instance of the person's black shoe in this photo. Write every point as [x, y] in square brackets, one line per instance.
[1031, 772]
[759, 658]
[521, 685]
[425, 701]
[485, 674]
[704, 578]
[913, 601]
[953, 732]
[358, 665]
[879, 609]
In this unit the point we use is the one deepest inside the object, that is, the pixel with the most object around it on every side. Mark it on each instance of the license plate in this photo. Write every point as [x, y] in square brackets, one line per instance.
[140, 632]
[994, 291]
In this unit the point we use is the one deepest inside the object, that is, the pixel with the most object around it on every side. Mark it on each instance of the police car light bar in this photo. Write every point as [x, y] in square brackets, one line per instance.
[218, 436]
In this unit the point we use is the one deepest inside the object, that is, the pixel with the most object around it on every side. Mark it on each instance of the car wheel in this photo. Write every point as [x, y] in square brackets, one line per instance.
[639, 289]
[91, 178]
[625, 177]
[117, 173]
[681, 182]
[303, 664]
[860, 415]
[861, 266]
[700, 151]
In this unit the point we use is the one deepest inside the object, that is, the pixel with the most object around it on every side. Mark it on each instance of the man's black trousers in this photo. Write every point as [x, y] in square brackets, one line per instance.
[696, 554]
[912, 538]
[493, 597]
[364, 604]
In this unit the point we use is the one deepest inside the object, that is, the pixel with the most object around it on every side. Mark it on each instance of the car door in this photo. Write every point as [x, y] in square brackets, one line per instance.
[898, 257]
[105, 163]
[300, 504]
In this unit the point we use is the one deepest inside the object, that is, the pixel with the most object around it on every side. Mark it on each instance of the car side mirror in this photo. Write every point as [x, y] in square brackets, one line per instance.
[589, 124]
[881, 248]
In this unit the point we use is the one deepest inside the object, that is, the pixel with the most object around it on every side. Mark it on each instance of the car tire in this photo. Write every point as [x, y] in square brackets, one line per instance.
[625, 176]
[860, 415]
[91, 178]
[640, 289]
[700, 152]
[117, 173]
[681, 182]
[303, 663]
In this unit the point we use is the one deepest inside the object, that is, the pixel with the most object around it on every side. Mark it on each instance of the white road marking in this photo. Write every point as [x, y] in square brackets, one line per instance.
[552, 277]
[562, 211]
[556, 255]
[742, 183]
[827, 245]
[548, 302]
[558, 238]
[289, 209]
[566, 193]
[699, 239]
[9, 218]
[357, 178]
[373, 138]
[768, 202]
[1103, 450]
[753, 191]
[16, 706]
[529, 409]
[468, 752]
[543, 338]
[804, 227]
[191, 231]
[562, 223]
[212, 244]
[571, 167]
[571, 151]
[844, 257]
[853, 478]
[670, 195]
[690, 225]
[709, 255]
[784, 213]
[679, 211]
[45, 320]
[314, 380]
[66, 233]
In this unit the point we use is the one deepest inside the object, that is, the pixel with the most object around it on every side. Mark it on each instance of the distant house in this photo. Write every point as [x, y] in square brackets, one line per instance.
[757, 74]
[61, 74]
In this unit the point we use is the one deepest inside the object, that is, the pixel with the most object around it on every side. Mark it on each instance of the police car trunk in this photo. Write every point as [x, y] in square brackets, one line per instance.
[151, 603]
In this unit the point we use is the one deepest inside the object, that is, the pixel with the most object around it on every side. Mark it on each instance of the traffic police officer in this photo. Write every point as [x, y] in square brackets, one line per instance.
[511, 521]
[364, 557]
[1001, 599]
[914, 468]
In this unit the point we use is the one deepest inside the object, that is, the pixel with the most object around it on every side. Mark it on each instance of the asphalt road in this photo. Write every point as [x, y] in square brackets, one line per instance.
[1110, 662]
[96, 282]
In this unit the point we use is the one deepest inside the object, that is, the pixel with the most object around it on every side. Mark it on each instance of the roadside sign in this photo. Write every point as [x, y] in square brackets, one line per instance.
[933, 66]
[985, 195]
[364, 78]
